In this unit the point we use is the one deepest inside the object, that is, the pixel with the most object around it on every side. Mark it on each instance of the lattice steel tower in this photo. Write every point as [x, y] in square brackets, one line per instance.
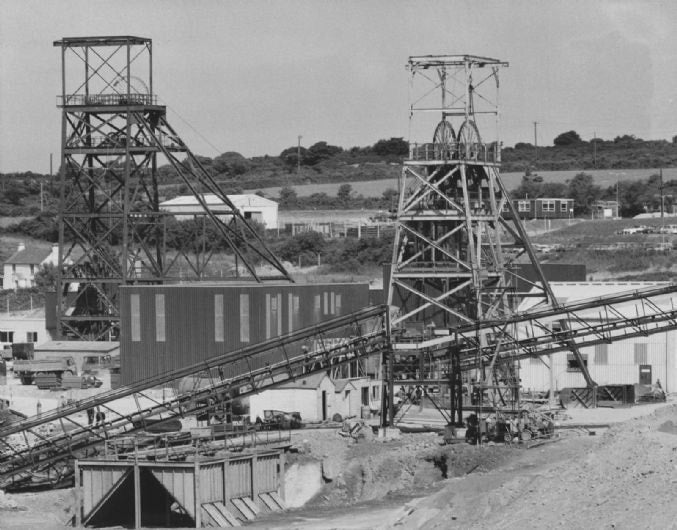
[457, 233]
[111, 229]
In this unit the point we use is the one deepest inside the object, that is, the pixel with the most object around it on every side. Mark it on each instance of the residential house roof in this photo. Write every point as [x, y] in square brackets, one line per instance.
[29, 256]
[238, 200]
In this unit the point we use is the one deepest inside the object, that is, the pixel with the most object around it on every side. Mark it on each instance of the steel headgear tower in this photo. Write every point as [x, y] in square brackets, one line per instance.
[111, 229]
[457, 232]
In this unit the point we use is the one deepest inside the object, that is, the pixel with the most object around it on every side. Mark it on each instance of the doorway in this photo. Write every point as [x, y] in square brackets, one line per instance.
[645, 374]
[324, 405]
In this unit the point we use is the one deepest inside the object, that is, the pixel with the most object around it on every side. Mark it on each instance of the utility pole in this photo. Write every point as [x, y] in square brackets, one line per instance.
[594, 150]
[298, 157]
[660, 174]
[535, 141]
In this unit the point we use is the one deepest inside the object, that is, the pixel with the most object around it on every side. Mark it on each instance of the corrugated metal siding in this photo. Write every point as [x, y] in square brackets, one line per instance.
[621, 367]
[267, 479]
[96, 483]
[211, 483]
[190, 321]
[180, 483]
[240, 478]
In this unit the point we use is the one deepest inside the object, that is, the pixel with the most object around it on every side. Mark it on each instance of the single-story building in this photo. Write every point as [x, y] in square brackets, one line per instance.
[23, 326]
[20, 268]
[544, 208]
[638, 360]
[251, 206]
[605, 210]
[317, 397]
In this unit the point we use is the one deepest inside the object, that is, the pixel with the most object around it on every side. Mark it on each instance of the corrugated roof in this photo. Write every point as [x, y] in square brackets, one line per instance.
[29, 256]
[310, 382]
[78, 346]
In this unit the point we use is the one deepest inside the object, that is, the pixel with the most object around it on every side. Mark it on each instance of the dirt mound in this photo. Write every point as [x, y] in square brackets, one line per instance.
[623, 479]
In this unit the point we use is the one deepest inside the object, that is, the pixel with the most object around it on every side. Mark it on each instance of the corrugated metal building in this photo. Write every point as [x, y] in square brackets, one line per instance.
[636, 360]
[166, 327]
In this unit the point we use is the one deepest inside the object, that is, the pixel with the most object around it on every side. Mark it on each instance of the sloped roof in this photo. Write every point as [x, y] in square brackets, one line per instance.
[341, 384]
[239, 200]
[580, 291]
[29, 256]
[312, 382]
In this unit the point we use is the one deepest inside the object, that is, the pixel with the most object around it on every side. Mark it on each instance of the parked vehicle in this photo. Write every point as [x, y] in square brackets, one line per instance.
[28, 370]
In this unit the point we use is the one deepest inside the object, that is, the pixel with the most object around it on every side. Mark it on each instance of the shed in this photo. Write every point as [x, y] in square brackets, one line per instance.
[251, 206]
[312, 396]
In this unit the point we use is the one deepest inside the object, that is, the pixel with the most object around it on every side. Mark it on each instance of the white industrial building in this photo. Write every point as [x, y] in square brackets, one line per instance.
[23, 326]
[318, 397]
[638, 360]
[251, 206]
[20, 268]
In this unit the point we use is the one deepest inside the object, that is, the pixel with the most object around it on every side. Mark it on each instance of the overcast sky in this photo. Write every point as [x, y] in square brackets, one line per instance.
[250, 76]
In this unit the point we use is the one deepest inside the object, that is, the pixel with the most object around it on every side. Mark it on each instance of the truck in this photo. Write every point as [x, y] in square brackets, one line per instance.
[27, 371]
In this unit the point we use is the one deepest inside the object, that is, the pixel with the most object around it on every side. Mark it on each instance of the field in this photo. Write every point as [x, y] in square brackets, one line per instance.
[375, 188]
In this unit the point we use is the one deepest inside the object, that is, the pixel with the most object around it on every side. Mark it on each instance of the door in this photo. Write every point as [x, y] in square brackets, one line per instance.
[645, 374]
[324, 405]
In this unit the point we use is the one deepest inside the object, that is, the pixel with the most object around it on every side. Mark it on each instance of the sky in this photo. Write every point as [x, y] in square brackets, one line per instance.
[252, 75]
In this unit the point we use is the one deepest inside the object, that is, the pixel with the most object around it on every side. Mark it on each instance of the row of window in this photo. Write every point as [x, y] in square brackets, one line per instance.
[8, 336]
[601, 357]
[324, 304]
[546, 206]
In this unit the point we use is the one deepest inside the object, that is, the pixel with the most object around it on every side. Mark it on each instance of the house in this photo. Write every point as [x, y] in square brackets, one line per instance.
[544, 208]
[318, 397]
[251, 206]
[19, 270]
[637, 360]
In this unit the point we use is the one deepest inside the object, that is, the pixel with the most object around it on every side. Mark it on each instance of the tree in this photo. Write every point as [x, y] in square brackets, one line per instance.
[15, 191]
[394, 146]
[344, 193]
[567, 138]
[290, 156]
[45, 277]
[582, 190]
[288, 197]
[321, 151]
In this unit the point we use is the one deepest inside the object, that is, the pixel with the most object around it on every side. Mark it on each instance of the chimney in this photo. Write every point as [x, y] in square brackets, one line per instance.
[21, 246]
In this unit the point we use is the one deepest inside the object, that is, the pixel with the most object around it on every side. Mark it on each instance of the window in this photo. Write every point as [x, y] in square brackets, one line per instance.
[573, 365]
[548, 206]
[338, 303]
[293, 311]
[160, 317]
[523, 206]
[244, 318]
[317, 308]
[135, 314]
[332, 303]
[31, 336]
[273, 315]
[601, 354]
[6, 336]
[563, 206]
[375, 392]
[218, 318]
[326, 303]
[32, 269]
[641, 353]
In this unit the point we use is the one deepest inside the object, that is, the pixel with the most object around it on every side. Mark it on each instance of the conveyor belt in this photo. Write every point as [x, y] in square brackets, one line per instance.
[48, 442]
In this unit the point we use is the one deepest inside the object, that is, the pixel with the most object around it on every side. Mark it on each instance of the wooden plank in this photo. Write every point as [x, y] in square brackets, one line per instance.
[215, 515]
[225, 513]
[251, 505]
[243, 509]
[276, 497]
[268, 502]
